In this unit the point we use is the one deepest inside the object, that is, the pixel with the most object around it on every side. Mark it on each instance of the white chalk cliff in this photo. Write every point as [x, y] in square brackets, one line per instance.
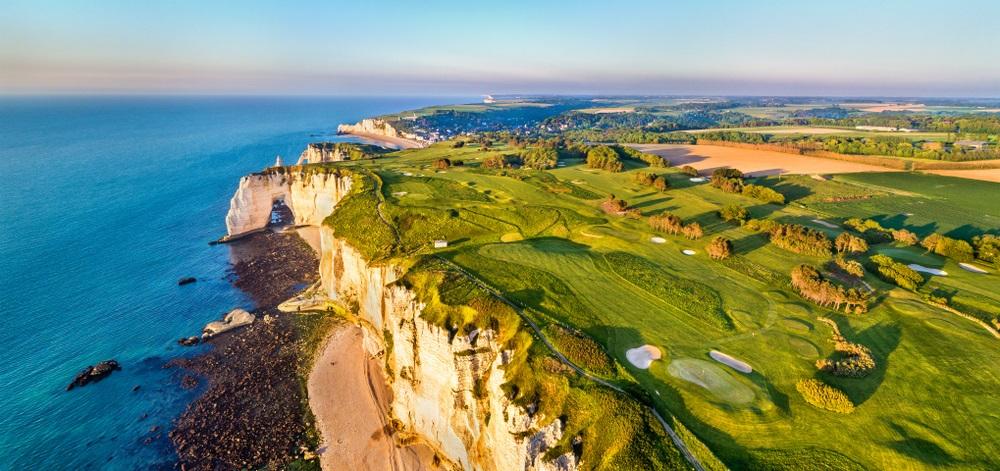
[432, 376]
[376, 127]
[311, 196]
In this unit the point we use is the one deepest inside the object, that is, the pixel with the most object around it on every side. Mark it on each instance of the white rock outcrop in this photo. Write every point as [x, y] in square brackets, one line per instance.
[376, 127]
[311, 196]
[319, 152]
[235, 318]
[433, 375]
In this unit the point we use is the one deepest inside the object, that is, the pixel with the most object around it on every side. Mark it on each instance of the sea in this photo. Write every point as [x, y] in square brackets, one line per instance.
[105, 202]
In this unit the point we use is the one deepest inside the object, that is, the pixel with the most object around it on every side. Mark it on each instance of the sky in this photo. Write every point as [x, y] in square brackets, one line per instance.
[435, 48]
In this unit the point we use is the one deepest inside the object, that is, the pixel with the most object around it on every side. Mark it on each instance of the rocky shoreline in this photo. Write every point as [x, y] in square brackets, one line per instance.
[253, 411]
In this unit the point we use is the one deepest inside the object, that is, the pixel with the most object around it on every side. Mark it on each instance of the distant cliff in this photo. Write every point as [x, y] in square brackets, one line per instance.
[380, 128]
[319, 152]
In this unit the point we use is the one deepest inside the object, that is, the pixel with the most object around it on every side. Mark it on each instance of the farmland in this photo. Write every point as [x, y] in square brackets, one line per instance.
[542, 239]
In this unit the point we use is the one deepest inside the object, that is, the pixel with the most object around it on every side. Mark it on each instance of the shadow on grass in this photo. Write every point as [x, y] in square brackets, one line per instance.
[919, 448]
[882, 339]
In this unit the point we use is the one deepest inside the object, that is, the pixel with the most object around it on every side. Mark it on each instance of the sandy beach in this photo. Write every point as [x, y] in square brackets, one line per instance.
[386, 141]
[349, 397]
[753, 162]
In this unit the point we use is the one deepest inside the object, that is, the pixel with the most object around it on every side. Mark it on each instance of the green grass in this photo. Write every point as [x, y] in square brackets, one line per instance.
[935, 385]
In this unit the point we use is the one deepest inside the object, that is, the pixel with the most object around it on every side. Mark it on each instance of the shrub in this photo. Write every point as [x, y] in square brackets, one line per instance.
[458, 144]
[847, 242]
[734, 213]
[666, 222]
[824, 396]
[895, 272]
[540, 158]
[689, 171]
[730, 180]
[442, 164]
[617, 206]
[719, 248]
[904, 237]
[872, 231]
[605, 158]
[761, 225]
[808, 282]
[857, 360]
[958, 250]
[692, 231]
[987, 247]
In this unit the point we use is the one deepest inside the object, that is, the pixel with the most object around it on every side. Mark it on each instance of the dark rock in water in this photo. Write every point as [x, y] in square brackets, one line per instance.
[186, 280]
[94, 373]
[189, 382]
[188, 341]
[135, 388]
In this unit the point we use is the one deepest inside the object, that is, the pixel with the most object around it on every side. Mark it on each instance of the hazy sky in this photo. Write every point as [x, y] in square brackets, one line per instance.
[901, 48]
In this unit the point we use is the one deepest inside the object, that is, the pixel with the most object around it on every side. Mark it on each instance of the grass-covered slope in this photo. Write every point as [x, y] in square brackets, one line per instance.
[597, 284]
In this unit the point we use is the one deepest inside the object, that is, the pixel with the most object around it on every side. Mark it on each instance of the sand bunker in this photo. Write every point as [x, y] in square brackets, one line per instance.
[657, 240]
[932, 271]
[731, 362]
[642, 357]
[399, 193]
[697, 179]
[972, 268]
[688, 252]
[825, 224]
[408, 174]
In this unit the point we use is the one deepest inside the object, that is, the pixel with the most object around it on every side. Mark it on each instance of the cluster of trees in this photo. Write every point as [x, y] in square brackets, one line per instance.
[500, 161]
[894, 272]
[719, 248]
[955, 249]
[824, 396]
[604, 158]
[874, 233]
[811, 285]
[847, 242]
[987, 247]
[540, 158]
[689, 171]
[850, 267]
[734, 213]
[672, 224]
[793, 237]
[730, 180]
[856, 360]
[444, 164]
[876, 145]
[651, 179]
[619, 206]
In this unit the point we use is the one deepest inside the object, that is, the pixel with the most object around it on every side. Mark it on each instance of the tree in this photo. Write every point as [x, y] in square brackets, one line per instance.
[719, 248]
[692, 231]
[987, 247]
[734, 213]
[666, 222]
[540, 158]
[846, 242]
[605, 158]
[808, 282]
[905, 237]
[442, 164]
[958, 250]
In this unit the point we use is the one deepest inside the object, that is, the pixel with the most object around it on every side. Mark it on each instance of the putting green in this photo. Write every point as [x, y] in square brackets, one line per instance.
[796, 325]
[803, 347]
[713, 378]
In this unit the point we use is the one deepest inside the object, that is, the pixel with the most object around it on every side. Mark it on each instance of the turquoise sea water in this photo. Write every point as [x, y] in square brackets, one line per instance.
[104, 203]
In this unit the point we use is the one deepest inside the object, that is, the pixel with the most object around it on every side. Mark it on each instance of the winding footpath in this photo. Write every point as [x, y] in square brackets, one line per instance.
[562, 358]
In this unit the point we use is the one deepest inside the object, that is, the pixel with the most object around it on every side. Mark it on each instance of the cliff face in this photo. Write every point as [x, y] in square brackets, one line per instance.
[376, 127]
[433, 376]
[310, 196]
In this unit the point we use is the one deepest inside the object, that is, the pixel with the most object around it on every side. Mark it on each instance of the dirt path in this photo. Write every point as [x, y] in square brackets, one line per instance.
[349, 396]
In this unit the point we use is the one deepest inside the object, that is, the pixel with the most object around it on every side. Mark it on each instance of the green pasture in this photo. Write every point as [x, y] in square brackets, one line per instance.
[541, 238]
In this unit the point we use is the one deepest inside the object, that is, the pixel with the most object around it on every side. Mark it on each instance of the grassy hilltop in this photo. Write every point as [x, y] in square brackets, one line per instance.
[598, 279]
